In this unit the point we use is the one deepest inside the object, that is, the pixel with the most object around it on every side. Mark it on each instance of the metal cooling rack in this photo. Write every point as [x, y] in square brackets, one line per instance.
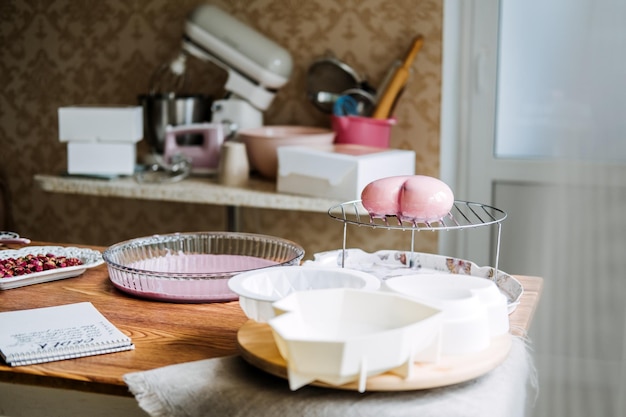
[463, 215]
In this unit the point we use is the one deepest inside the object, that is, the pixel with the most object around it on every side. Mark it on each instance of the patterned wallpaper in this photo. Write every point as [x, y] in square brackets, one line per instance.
[62, 52]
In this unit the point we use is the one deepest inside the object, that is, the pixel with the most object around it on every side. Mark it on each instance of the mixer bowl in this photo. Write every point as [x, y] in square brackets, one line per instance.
[160, 110]
[262, 144]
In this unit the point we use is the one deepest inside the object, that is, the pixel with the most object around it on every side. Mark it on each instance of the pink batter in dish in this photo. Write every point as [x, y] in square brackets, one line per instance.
[209, 264]
[411, 198]
[187, 277]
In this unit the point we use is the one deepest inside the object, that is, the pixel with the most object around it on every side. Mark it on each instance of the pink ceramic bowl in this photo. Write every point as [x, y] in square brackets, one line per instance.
[262, 142]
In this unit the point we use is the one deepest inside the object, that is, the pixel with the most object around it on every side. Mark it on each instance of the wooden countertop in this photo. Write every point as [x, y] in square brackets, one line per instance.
[163, 333]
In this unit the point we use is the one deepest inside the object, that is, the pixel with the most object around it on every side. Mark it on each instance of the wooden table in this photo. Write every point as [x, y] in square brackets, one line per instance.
[163, 333]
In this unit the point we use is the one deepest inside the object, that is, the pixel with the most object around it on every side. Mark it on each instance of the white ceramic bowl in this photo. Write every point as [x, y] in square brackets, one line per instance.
[338, 336]
[262, 143]
[257, 290]
[474, 309]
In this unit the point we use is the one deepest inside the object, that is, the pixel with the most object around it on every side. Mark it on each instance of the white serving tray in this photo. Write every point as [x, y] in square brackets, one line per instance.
[90, 258]
[391, 263]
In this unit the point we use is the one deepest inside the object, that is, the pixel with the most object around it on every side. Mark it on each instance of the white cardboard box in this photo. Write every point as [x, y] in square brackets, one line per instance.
[101, 124]
[338, 171]
[101, 158]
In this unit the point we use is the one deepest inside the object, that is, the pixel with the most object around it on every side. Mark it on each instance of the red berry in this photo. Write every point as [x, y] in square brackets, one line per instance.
[30, 263]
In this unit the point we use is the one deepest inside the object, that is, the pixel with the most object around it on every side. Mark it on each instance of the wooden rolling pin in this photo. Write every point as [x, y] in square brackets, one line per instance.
[398, 81]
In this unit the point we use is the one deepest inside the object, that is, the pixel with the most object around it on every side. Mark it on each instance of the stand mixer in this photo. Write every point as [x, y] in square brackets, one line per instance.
[256, 66]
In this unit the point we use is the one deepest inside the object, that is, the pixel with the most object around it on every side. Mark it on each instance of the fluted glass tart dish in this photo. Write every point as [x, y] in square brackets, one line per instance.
[193, 267]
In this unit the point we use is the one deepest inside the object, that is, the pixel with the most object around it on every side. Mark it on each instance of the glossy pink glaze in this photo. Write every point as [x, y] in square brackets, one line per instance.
[425, 199]
[411, 198]
[382, 197]
[187, 263]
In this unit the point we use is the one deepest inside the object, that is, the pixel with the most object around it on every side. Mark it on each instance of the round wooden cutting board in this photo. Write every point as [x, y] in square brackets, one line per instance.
[258, 348]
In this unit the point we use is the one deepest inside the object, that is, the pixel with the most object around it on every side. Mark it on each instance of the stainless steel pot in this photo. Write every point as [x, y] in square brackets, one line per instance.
[160, 110]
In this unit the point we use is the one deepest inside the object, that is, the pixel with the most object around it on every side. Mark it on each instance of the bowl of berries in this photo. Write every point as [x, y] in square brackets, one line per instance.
[37, 264]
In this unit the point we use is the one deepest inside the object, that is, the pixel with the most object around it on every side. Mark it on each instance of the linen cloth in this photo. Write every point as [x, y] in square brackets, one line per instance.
[231, 387]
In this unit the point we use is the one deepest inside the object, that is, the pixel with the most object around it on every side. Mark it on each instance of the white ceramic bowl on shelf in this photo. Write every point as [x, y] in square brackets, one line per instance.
[193, 267]
[259, 289]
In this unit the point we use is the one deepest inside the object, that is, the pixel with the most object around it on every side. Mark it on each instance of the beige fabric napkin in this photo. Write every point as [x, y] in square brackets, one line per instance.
[231, 387]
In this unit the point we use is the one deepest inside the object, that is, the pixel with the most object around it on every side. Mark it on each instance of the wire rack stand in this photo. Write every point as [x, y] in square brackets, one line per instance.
[463, 215]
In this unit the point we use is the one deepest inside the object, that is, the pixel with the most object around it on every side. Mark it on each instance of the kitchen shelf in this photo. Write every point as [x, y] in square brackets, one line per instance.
[258, 193]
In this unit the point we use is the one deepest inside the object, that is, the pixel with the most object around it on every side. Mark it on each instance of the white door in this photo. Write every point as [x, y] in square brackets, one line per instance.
[534, 123]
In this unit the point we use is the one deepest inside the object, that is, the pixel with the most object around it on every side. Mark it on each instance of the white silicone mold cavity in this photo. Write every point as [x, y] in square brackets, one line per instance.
[257, 290]
[474, 310]
[338, 336]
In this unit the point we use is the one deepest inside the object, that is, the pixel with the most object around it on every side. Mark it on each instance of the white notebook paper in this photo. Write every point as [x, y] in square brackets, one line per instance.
[55, 333]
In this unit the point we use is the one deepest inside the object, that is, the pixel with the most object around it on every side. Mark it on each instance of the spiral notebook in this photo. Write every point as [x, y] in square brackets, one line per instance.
[55, 333]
